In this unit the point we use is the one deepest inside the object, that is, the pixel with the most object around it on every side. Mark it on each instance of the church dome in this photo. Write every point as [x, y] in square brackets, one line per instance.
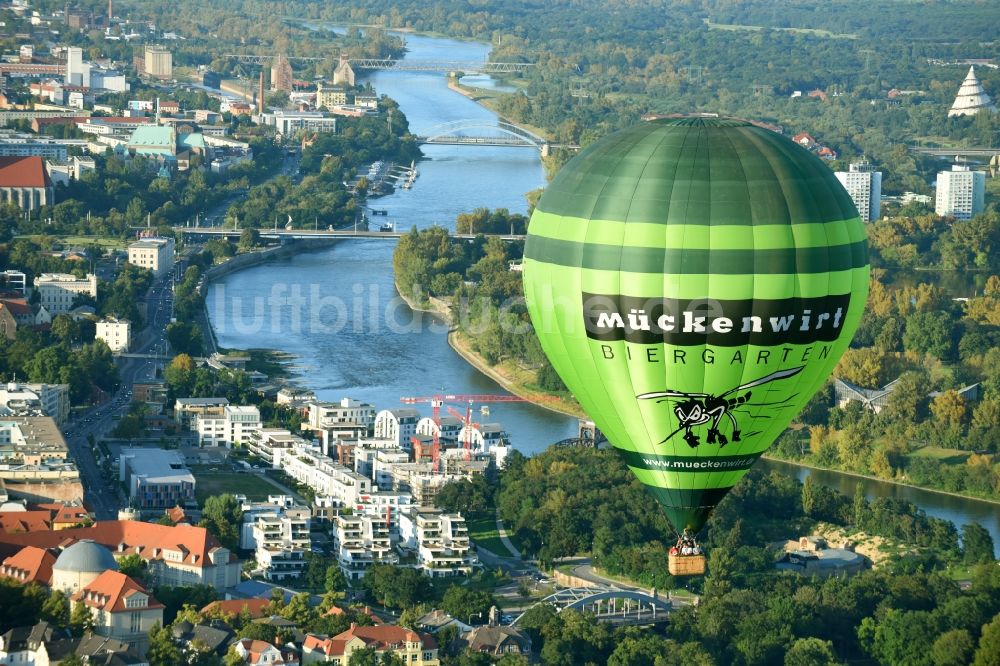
[85, 557]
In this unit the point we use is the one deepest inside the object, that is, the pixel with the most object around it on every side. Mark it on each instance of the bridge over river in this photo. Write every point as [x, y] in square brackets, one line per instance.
[208, 233]
[610, 604]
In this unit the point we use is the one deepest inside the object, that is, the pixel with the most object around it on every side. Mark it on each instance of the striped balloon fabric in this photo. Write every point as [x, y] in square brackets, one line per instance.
[694, 281]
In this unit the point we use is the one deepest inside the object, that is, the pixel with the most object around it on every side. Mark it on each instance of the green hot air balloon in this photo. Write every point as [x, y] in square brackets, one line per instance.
[694, 281]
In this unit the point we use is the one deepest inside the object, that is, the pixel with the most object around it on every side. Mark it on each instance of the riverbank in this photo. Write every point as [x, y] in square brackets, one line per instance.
[870, 477]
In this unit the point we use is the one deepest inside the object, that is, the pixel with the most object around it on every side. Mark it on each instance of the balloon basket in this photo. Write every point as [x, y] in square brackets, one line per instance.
[685, 565]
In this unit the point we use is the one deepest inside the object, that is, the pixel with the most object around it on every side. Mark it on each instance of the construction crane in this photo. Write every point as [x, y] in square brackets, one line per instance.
[466, 399]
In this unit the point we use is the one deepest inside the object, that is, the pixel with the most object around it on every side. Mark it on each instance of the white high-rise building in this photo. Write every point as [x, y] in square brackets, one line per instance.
[960, 192]
[971, 98]
[864, 184]
[77, 71]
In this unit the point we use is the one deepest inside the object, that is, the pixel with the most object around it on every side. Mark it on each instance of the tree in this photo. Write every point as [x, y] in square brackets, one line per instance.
[80, 619]
[988, 652]
[397, 587]
[221, 516]
[335, 580]
[977, 544]
[953, 648]
[133, 566]
[55, 610]
[464, 604]
[249, 239]
[811, 652]
[930, 333]
[162, 650]
[808, 496]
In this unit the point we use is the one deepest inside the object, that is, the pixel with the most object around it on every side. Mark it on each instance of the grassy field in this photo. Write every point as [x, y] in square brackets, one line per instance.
[217, 483]
[483, 530]
[757, 28]
[949, 456]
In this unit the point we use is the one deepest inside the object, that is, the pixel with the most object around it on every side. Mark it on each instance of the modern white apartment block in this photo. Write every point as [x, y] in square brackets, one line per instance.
[329, 479]
[56, 291]
[348, 410]
[278, 532]
[397, 424]
[441, 541]
[268, 443]
[385, 506]
[482, 437]
[361, 541]
[156, 254]
[116, 333]
[864, 184]
[233, 428]
[289, 122]
[446, 428]
[961, 192]
[188, 410]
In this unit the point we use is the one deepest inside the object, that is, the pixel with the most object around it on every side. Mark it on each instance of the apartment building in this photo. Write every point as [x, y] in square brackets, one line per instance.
[397, 424]
[278, 532]
[441, 541]
[57, 291]
[232, 428]
[50, 399]
[116, 333]
[960, 193]
[330, 479]
[268, 443]
[362, 541]
[864, 184]
[187, 410]
[156, 254]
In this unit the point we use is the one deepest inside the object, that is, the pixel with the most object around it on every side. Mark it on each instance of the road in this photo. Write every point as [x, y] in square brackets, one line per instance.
[103, 494]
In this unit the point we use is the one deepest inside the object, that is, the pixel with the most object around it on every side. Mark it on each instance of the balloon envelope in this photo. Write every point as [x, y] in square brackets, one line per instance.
[694, 281]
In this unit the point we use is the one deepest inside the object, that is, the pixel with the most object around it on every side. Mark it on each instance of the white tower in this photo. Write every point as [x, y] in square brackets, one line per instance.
[971, 98]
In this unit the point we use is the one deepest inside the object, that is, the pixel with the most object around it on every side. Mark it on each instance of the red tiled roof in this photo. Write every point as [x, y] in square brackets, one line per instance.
[17, 306]
[29, 565]
[110, 590]
[255, 648]
[256, 607]
[25, 521]
[176, 514]
[379, 637]
[148, 540]
[23, 172]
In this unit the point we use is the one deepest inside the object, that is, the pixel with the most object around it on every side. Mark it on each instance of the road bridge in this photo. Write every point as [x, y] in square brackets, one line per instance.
[402, 65]
[609, 604]
[208, 233]
[487, 133]
[957, 152]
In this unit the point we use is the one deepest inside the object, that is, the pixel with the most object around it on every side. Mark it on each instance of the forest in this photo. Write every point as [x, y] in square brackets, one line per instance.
[568, 501]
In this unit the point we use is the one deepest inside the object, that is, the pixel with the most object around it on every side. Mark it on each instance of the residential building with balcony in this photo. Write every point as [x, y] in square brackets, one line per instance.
[397, 424]
[268, 443]
[186, 410]
[232, 428]
[278, 532]
[441, 541]
[361, 541]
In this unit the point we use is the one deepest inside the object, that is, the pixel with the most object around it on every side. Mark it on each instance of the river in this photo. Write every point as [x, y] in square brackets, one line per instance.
[354, 348]
[337, 312]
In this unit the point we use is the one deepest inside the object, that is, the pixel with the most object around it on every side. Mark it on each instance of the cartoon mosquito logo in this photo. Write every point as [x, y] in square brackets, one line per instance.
[700, 408]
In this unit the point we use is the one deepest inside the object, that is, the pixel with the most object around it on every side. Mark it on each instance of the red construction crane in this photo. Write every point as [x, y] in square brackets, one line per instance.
[466, 399]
